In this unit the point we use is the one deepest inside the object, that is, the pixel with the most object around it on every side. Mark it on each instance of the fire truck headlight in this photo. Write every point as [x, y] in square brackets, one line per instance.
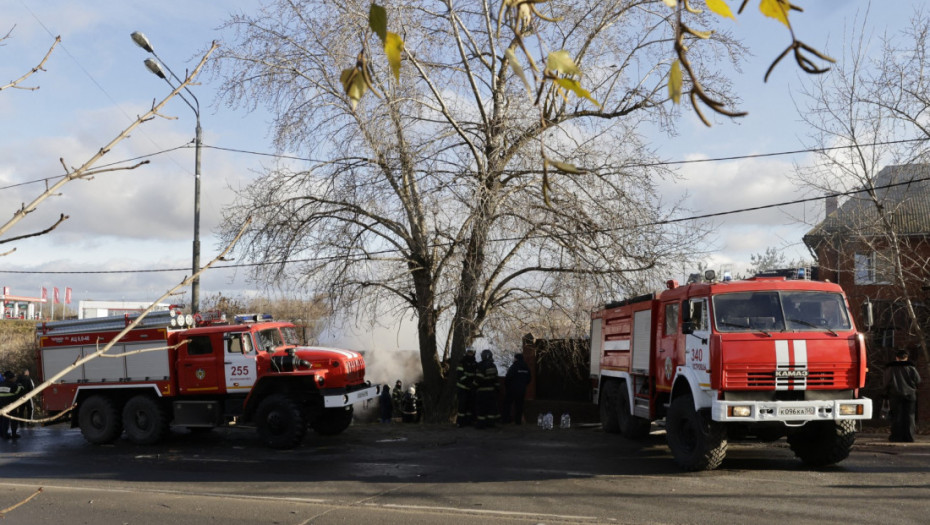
[851, 409]
[739, 411]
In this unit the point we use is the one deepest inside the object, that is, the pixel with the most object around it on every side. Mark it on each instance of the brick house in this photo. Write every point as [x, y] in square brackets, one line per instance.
[852, 249]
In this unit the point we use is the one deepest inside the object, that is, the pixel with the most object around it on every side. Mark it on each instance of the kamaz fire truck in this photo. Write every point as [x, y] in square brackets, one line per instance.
[198, 373]
[726, 360]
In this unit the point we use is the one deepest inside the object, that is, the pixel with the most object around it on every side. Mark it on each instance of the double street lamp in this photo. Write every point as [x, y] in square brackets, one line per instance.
[155, 66]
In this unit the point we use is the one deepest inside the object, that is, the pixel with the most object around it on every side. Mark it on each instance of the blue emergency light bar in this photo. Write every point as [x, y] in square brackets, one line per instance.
[253, 318]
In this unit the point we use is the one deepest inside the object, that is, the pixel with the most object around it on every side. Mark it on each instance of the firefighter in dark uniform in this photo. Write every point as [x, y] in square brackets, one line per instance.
[465, 388]
[486, 379]
[397, 397]
[10, 390]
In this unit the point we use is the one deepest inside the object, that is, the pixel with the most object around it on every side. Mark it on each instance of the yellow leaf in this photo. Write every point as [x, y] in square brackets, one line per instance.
[777, 9]
[562, 62]
[377, 20]
[393, 45]
[575, 87]
[721, 8]
[674, 82]
[563, 166]
[517, 68]
[671, 3]
[353, 81]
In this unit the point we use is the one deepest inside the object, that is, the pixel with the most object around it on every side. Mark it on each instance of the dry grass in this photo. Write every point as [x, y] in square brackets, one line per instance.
[17, 346]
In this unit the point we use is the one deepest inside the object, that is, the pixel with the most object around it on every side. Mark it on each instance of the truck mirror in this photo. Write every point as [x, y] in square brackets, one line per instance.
[687, 311]
[868, 318]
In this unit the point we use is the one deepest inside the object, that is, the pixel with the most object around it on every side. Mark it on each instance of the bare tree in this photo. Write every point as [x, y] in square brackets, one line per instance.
[430, 200]
[881, 230]
[15, 84]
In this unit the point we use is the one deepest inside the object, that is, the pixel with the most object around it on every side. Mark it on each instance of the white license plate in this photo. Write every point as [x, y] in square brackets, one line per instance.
[797, 411]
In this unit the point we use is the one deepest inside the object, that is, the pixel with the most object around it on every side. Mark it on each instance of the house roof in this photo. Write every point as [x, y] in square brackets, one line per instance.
[903, 192]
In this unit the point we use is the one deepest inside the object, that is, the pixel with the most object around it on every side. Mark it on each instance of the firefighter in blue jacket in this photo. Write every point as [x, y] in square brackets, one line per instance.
[486, 380]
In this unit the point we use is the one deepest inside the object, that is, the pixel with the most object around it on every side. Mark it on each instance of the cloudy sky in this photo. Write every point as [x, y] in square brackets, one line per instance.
[95, 84]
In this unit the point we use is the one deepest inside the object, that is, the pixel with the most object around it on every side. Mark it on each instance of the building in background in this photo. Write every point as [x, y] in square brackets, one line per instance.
[21, 307]
[94, 309]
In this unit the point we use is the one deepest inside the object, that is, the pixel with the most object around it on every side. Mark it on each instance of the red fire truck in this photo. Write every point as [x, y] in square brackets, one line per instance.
[727, 360]
[203, 373]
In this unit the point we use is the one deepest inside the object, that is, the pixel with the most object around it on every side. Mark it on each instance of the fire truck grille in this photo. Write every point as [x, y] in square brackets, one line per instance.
[767, 380]
[355, 370]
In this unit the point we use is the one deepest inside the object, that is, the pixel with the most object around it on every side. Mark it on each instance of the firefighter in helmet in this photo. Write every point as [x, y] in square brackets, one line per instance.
[410, 411]
[465, 388]
[486, 379]
[397, 397]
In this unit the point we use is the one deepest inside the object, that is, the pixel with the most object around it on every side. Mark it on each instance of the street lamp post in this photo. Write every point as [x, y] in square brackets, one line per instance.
[155, 66]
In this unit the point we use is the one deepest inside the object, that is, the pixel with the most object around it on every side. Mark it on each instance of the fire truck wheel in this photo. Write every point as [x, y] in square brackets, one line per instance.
[697, 443]
[99, 420]
[145, 420]
[333, 421]
[820, 443]
[610, 399]
[280, 422]
[631, 427]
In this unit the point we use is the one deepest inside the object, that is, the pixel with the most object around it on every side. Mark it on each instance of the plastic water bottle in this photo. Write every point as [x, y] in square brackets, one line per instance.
[566, 421]
[547, 421]
[540, 420]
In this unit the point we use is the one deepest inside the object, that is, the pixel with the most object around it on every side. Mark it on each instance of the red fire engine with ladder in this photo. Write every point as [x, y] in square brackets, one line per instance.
[198, 372]
[727, 360]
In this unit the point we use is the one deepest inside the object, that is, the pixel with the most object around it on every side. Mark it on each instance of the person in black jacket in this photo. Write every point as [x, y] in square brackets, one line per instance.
[385, 404]
[10, 390]
[900, 384]
[517, 379]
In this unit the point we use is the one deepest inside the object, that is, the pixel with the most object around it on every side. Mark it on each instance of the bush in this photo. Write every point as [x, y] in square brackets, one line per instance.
[18, 346]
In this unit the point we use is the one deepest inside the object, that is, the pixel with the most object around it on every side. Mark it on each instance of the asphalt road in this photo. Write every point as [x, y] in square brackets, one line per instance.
[413, 474]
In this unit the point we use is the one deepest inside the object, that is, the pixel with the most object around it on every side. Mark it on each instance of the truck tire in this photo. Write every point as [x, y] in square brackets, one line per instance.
[696, 442]
[821, 443]
[145, 420]
[610, 398]
[280, 422]
[631, 427]
[333, 421]
[99, 420]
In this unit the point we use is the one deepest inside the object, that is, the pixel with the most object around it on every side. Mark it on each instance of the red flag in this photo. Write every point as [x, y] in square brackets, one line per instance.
[44, 294]
[67, 295]
[57, 300]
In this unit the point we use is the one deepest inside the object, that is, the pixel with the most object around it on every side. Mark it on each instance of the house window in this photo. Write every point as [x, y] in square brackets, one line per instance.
[873, 267]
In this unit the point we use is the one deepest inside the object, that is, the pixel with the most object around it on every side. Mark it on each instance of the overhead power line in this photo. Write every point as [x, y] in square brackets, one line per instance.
[368, 255]
[634, 165]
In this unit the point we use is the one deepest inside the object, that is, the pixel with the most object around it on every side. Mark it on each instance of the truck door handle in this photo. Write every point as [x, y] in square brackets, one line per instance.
[188, 365]
[227, 362]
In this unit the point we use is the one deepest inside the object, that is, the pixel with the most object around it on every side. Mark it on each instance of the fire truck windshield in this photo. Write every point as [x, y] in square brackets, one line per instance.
[774, 311]
[290, 335]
